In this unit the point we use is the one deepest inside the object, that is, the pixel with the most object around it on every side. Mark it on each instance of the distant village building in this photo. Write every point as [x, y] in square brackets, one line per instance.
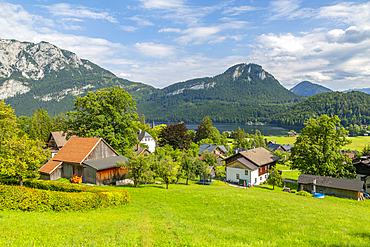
[91, 158]
[56, 140]
[145, 138]
[252, 165]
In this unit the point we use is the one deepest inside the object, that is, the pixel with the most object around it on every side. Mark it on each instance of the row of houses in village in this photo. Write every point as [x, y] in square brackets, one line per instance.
[96, 162]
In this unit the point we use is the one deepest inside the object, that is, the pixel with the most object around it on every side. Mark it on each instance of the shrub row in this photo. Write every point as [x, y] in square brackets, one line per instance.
[304, 193]
[39, 195]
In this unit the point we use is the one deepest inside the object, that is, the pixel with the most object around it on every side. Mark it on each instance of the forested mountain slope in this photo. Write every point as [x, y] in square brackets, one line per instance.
[352, 108]
[306, 88]
[243, 92]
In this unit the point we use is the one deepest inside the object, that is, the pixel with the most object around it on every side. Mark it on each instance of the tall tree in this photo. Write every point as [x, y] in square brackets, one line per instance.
[21, 157]
[109, 113]
[188, 167]
[317, 149]
[8, 122]
[165, 168]
[175, 135]
[41, 125]
[204, 130]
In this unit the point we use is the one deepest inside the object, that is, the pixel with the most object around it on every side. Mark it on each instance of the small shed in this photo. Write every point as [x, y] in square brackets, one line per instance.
[340, 187]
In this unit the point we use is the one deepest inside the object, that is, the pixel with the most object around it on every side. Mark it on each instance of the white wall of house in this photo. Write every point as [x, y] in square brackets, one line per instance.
[150, 142]
[252, 176]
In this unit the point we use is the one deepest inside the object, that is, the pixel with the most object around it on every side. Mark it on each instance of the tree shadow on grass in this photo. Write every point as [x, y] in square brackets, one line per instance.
[266, 188]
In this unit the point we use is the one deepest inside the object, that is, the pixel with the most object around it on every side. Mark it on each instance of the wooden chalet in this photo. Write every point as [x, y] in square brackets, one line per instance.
[340, 187]
[251, 165]
[56, 140]
[91, 158]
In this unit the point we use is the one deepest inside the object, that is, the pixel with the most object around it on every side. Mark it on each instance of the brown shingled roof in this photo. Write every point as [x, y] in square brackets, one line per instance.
[50, 166]
[77, 149]
[260, 156]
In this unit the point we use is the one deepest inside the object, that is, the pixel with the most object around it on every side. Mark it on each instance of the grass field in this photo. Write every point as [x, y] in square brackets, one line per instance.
[358, 143]
[197, 215]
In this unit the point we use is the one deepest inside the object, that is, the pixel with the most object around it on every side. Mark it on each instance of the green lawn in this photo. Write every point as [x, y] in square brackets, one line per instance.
[197, 215]
[358, 143]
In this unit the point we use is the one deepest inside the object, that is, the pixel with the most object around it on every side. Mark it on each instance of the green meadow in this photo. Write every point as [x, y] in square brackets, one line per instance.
[197, 215]
[358, 143]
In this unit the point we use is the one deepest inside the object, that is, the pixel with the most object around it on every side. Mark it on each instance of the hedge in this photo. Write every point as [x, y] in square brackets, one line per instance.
[39, 195]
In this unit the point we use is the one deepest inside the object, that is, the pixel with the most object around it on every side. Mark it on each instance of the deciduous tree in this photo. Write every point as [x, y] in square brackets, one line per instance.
[137, 167]
[317, 149]
[175, 135]
[275, 178]
[109, 113]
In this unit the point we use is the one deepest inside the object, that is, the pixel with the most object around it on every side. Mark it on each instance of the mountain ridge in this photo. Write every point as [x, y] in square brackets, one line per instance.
[306, 88]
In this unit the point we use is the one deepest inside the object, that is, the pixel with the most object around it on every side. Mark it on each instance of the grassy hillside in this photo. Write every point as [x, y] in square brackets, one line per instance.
[196, 215]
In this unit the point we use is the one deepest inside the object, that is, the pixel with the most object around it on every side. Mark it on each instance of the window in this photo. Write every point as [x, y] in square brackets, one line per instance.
[265, 176]
[246, 172]
[237, 176]
[255, 180]
[261, 178]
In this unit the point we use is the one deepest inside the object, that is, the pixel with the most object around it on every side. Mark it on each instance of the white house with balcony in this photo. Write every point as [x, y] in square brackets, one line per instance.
[251, 165]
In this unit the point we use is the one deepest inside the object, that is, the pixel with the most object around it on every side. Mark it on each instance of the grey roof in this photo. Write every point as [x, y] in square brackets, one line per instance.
[210, 147]
[336, 183]
[247, 163]
[287, 147]
[105, 163]
[143, 134]
[273, 146]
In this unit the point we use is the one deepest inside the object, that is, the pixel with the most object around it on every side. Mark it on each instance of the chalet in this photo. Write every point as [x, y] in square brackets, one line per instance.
[339, 187]
[252, 165]
[362, 166]
[145, 138]
[91, 158]
[56, 140]
[214, 149]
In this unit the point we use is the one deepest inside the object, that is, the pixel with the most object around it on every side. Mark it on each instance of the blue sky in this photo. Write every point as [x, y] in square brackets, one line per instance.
[160, 42]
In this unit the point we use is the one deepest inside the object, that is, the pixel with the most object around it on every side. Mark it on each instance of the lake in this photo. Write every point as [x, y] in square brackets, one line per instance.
[266, 130]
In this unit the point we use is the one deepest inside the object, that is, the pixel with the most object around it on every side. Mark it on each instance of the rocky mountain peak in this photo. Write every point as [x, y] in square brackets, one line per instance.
[34, 61]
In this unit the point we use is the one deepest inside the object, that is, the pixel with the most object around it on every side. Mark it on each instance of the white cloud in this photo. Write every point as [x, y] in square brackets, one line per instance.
[199, 35]
[140, 21]
[125, 75]
[169, 30]
[161, 4]
[155, 50]
[65, 9]
[237, 10]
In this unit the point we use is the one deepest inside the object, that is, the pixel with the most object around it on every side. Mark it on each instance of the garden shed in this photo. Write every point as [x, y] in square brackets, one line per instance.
[340, 187]
[92, 158]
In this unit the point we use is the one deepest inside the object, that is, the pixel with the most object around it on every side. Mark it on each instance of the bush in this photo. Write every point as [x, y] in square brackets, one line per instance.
[39, 195]
[304, 193]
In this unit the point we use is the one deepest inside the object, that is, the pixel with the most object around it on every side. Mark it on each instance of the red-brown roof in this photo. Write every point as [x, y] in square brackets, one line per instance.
[77, 149]
[50, 166]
